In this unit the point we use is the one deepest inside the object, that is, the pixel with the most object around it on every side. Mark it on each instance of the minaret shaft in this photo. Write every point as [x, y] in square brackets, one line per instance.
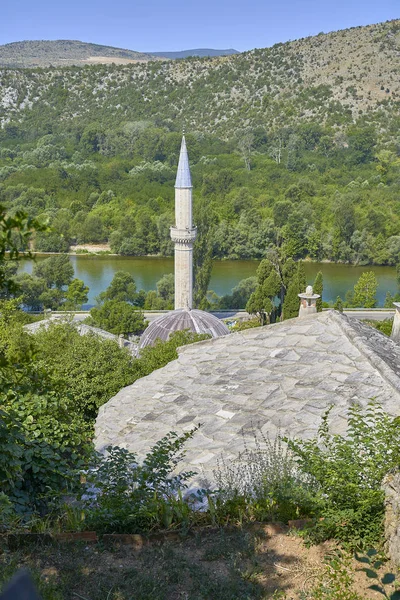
[183, 234]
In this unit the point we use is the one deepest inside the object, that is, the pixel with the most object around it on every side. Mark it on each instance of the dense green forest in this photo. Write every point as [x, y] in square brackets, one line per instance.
[290, 147]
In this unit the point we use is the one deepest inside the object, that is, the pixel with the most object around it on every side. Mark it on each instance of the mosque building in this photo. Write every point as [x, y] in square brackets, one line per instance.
[183, 234]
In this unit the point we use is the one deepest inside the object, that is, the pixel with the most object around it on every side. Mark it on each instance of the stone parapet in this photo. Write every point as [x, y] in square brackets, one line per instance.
[395, 335]
[391, 487]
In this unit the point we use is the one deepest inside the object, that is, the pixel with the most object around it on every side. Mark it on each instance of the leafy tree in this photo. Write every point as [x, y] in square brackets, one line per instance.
[338, 304]
[51, 298]
[318, 288]
[77, 294]
[301, 277]
[344, 219]
[202, 254]
[56, 271]
[166, 289]
[240, 294]
[15, 233]
[122, 289]
[291, 304]
[118, 317]
[365, 290]
[51, 242]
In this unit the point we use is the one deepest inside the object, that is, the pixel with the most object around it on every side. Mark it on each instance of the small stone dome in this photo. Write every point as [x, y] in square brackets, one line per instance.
[195, 320]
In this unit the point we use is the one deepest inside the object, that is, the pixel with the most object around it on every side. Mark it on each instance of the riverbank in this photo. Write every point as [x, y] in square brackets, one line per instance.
[98, 270]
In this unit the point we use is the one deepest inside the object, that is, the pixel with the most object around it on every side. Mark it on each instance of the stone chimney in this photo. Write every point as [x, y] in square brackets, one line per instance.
[395, 335]
[308, 302]
[121, 341]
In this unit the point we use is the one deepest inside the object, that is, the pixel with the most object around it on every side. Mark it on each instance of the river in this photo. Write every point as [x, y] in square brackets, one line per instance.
[98, 271]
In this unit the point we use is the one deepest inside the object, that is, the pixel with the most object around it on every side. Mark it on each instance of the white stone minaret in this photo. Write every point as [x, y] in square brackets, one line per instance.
[183, 233]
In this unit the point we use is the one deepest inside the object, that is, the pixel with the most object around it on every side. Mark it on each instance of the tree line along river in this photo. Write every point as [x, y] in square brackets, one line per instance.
[98, 271]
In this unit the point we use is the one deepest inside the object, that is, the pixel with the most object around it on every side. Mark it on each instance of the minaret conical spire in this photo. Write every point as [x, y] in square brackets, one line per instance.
[183, 178]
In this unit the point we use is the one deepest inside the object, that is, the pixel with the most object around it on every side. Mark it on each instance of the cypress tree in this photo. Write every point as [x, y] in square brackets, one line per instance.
[301, 278]
[318, 288]
[291, 303]
[338, 304]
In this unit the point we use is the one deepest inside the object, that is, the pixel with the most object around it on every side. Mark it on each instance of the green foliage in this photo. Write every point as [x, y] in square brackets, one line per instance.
[273, 278]
[365, 290]
[374, 564]
[349, 471]
[77, 294]
[337, 580]
[338, 304]
[301, 277]
[130, 497]
[291, 304]
[241, 294]
[161, 353]
[15, 234]
[121, 289]
[56, 271]
[166, 290]
[243, 325]
[42, 442]
[314, 172]
[264, 484]
[118, 317]
[384, 326]
[318, 288]
[90, 369]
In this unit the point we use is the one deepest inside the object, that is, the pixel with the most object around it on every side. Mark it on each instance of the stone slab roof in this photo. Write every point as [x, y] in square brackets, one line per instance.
[278, 377]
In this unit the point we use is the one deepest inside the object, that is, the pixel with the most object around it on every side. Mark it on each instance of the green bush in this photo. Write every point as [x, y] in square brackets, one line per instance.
[89, 369]
[125, 496]
[348, 471]
[33, 473]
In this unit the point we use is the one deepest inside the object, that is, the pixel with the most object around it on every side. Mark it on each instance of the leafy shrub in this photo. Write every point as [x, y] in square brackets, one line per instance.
[349, 471]
[33, 473]
[125, 496]
[89, 369]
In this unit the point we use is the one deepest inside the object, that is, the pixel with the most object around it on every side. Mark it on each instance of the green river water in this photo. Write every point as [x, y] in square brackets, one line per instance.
[98, 271]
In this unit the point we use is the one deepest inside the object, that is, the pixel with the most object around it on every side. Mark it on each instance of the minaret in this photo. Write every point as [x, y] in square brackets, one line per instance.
[183, 233]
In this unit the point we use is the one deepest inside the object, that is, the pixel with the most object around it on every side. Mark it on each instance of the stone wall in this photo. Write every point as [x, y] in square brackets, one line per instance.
[391, 487]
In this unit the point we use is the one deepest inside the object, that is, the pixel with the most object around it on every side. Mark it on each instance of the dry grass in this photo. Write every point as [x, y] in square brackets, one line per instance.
[252, 563]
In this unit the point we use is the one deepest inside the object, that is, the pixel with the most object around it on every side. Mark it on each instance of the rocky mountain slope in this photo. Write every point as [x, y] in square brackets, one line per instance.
[200, 52]
[333, 78]
[62, 53]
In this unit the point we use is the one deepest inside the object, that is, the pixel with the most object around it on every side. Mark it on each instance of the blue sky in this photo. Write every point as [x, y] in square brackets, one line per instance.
[181, 24]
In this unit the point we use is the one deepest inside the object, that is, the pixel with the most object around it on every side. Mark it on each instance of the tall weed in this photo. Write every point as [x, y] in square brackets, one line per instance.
[264, 483]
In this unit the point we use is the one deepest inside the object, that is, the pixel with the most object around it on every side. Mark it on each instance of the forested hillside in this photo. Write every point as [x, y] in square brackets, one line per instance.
[295, 146]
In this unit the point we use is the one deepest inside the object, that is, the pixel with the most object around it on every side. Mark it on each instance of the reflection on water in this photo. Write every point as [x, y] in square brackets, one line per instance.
[98, 271]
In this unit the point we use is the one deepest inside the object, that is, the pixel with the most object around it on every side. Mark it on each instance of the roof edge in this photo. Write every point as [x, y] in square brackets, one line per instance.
[351, 330]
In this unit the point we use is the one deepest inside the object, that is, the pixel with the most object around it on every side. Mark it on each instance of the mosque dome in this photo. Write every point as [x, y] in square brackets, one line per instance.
[194, 320]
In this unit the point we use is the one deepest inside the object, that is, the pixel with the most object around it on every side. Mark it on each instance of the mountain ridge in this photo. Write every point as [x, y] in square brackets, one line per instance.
[198, 52]
[334, 78]
[46, 53]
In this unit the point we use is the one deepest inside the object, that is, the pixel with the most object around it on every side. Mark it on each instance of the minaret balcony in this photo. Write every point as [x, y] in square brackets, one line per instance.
[183, 235]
